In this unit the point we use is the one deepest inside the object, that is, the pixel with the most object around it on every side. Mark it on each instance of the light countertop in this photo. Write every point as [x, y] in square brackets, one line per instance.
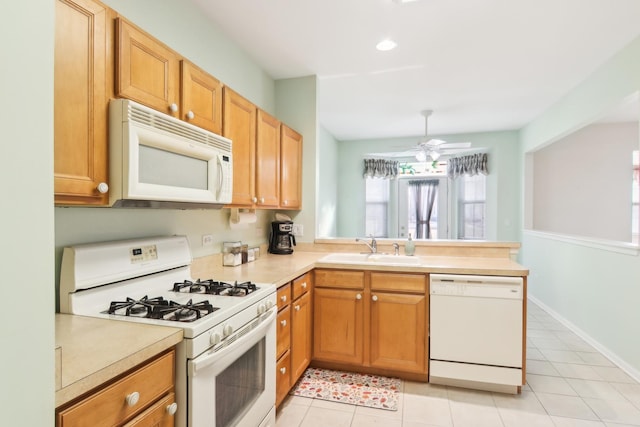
[280, 269]
[90, 351]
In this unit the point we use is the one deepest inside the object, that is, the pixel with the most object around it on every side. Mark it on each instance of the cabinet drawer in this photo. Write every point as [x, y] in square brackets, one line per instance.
[301, 285]
[108, 407]
[158, 415]
[339, 279]
[398, 282]
[283, 331]
[284, 295]
[283, 377]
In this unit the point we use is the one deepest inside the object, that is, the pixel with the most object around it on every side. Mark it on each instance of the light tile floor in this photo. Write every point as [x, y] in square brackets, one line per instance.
[569, 384]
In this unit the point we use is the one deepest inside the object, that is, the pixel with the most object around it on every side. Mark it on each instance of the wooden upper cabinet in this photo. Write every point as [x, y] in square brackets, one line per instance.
[81, 78]
[201, 98]
[267, 160]
[147, 71]
[239, 125]
[290, 169]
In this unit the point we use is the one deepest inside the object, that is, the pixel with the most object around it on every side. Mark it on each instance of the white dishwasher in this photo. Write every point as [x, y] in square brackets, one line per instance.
[476, 331]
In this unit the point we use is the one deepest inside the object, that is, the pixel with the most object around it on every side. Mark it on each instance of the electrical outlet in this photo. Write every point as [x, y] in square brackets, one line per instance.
[297, 230]
[207, 239]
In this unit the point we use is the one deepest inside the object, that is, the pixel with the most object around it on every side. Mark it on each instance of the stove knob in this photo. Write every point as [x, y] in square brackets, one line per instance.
[269, 305]
[227, 330]
[261, 309]
[214, 338]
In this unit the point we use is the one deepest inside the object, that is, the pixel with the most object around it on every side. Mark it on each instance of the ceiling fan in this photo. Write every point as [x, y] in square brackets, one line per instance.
[429, 147]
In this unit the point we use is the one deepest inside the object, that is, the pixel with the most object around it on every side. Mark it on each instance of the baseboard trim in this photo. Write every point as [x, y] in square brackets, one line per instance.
[606, 352]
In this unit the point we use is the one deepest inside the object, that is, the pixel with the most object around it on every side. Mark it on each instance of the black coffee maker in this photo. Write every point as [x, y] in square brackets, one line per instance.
[282, 241]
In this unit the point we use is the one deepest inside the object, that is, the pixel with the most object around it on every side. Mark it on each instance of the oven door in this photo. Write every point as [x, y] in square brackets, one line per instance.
[235, 383]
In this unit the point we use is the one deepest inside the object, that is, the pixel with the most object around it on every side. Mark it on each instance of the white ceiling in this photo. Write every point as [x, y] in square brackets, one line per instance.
[481, 65]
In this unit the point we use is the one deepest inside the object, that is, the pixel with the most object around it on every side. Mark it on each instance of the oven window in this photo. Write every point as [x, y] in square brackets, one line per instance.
[162, 167]
[238, 386]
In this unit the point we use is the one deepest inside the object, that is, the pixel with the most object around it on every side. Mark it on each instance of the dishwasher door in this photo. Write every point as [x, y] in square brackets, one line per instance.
[476, 319]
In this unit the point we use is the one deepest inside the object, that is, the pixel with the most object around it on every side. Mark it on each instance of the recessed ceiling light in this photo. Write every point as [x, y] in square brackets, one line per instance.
[386, 45]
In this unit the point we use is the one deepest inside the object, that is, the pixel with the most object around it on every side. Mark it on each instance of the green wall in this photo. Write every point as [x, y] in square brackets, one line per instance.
[26, 177]
[593, 287]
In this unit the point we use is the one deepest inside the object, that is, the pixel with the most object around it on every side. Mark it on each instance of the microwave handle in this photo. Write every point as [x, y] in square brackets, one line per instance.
[220, 178]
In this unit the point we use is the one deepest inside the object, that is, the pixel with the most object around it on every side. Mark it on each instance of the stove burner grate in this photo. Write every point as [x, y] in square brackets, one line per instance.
[159, 308]
[212, 287]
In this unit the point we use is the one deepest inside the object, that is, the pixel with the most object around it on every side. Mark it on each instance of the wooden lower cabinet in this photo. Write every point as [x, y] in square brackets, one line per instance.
[293, 333]
[381, 324]
[338, 325]
[116, 404]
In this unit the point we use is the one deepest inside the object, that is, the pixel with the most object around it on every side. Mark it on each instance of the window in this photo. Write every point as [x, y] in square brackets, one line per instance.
[376, 207]
[471, 207]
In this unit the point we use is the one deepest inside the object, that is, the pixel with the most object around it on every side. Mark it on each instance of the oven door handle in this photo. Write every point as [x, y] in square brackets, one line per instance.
[215, 355]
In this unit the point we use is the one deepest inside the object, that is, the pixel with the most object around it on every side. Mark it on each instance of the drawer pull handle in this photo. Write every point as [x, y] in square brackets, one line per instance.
[297, 307]
[283, 323]
[132, 398]
[283, 298]
[358, 296]
[375, 298]
[283, 371]
[304, 285]
[172, 409]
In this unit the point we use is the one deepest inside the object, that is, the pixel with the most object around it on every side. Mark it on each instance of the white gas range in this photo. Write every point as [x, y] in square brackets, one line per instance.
[225, 373]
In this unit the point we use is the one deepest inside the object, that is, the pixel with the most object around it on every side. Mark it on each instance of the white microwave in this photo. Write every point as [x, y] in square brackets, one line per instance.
[158, 161]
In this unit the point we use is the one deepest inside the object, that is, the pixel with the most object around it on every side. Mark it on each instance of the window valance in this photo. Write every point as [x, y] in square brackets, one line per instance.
[472, 164]
[380, 168]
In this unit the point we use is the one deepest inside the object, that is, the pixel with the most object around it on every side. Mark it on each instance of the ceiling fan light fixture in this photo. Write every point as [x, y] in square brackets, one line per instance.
[386, 44]
[434, 155]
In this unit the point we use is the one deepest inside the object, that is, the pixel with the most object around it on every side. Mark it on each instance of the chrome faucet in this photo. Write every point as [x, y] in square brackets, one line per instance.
[396, 249]
[373, 246]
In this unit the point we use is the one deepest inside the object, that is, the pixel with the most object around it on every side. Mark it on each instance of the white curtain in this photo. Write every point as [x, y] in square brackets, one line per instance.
[472, 164]
[380, 168]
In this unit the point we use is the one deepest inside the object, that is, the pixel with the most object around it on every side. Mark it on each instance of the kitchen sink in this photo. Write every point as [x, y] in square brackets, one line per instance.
[377, 259]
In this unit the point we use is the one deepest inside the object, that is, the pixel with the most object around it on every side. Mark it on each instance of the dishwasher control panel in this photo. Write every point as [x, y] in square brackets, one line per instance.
[476, 286]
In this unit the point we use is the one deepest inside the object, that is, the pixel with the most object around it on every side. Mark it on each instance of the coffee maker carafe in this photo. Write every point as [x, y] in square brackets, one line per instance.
[282, 240]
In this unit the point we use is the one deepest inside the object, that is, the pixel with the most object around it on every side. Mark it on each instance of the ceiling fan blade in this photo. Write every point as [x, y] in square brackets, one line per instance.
[456, 145]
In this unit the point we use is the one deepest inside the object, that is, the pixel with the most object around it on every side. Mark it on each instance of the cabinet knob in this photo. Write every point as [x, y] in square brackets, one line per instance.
[102, 188]
[304, 285]
[254, 199]
[172, 409]
[262, 200]
[283, 371]
[375, 298]
[296, 307]
[190, 115]
[283, 298]
[285, 202]
[358, 296]
[173, 107]
[283, 323]
[132, 398]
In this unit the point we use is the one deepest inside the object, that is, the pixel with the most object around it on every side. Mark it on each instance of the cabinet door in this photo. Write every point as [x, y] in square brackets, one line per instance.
[338, 325]
[147, 71]
[301, 333]
[283, 331]
[290, 169]
[239, 125]
[201, 98]
[268, 160]
[283, 377]
[398, 331]
[80, 101]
